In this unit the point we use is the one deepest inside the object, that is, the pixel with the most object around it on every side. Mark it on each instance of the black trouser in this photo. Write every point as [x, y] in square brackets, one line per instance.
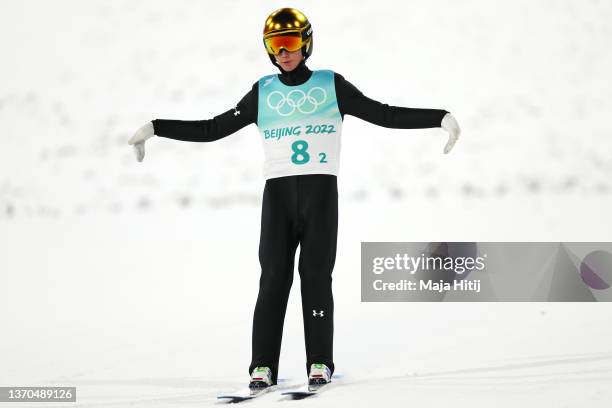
[296, 209]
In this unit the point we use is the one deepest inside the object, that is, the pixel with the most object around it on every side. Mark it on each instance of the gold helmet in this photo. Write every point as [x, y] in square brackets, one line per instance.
[287, 28]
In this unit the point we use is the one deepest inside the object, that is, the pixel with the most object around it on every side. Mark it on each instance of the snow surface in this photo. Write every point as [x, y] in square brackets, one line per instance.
[136, 282]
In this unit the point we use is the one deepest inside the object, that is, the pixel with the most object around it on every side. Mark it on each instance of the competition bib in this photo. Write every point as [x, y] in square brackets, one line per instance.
[300, 125]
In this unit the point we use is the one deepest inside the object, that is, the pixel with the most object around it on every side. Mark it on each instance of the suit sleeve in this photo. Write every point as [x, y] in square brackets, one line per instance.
[351, 101]
[208, 130]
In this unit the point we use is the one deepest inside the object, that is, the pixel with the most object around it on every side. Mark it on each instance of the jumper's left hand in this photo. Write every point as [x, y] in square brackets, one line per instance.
[140, 137]
[452, 127]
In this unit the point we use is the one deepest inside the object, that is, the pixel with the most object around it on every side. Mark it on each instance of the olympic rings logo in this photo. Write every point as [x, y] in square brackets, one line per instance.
[306, 103]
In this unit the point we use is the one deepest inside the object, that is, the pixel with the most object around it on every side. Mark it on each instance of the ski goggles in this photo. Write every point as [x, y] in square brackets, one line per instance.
[289, 41]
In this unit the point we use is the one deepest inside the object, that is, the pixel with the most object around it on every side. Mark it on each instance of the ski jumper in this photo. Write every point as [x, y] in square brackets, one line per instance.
[299, 115]
[300, 128]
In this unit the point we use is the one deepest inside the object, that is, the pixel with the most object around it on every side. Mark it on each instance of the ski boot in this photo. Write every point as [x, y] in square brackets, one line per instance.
[319, 375]
[261, 377]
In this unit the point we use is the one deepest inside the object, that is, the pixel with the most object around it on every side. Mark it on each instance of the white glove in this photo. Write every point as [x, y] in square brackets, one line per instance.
[452, 127]
[139, 139]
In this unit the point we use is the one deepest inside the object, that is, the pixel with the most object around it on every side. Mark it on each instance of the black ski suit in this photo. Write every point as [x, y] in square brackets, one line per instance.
[297, 209]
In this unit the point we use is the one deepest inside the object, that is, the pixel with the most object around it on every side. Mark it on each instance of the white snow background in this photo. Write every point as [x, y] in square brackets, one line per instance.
[136, 282]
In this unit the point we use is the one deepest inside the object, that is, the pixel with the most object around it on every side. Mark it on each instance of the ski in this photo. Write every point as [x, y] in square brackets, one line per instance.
[306, 391]
[247, 393]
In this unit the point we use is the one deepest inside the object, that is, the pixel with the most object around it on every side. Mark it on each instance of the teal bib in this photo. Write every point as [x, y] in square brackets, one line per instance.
[300, 125]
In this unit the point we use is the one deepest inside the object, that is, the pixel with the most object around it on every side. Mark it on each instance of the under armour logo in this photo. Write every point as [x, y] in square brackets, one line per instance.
[315, 313]
[236, 111]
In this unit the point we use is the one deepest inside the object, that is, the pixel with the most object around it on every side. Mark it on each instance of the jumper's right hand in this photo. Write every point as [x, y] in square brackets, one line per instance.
[139, 139]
